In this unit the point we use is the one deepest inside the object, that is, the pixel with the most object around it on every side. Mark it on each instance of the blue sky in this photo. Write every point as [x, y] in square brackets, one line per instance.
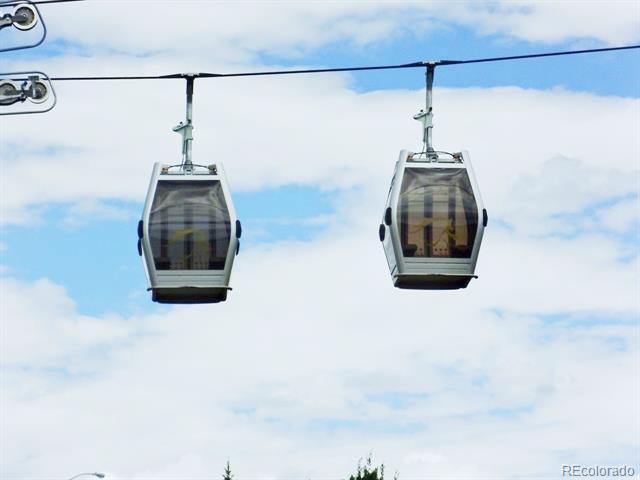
[320, 356]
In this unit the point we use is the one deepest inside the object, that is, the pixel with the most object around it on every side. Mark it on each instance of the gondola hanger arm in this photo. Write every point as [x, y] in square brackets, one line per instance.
[186, 128]
[426, 116]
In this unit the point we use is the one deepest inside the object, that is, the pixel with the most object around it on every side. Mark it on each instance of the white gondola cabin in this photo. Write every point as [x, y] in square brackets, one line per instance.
[189, 234]
[433, 222]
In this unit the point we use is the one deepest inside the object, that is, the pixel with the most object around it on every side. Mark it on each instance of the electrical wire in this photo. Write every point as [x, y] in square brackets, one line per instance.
[421, 64]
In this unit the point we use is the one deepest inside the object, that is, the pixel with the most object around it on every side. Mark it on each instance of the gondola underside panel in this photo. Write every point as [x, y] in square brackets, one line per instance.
[436, 281]
[189, 295]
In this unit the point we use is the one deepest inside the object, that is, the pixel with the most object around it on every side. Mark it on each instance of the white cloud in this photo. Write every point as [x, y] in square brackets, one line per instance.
[43, 325]
[314, 339]
[612, 22]
[229, 31]
[238, 31]
[621, 215]
[552, 200]
[92, 210]
[428, 457]
[274, 377]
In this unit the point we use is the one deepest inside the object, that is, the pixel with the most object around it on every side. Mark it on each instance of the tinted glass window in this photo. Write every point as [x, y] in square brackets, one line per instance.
[437, 213]
[189, 226]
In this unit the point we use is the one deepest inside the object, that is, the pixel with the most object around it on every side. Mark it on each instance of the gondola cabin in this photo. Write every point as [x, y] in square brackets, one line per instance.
[189, 234]
[433, 222]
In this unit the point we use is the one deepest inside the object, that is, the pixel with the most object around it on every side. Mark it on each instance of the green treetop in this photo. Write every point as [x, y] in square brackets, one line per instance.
[369, 472]
[227, 472]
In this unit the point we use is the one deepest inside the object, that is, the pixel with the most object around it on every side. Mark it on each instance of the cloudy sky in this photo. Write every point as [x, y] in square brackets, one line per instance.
[315, 359]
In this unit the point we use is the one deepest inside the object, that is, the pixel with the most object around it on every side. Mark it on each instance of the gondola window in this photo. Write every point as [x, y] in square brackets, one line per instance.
[437, 214]
[189, 226]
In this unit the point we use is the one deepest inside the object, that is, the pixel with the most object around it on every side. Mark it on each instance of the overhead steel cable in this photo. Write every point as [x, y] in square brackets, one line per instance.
[319, 70]
[36, 2]
[420, 64]
[242, 74]
[534, 55]
[136, 77]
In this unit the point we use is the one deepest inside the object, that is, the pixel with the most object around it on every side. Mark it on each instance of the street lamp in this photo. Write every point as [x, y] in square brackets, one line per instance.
[95, 474]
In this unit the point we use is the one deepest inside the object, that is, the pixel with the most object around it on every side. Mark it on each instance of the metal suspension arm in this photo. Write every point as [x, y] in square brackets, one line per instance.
[186, 129]
[426, 116]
